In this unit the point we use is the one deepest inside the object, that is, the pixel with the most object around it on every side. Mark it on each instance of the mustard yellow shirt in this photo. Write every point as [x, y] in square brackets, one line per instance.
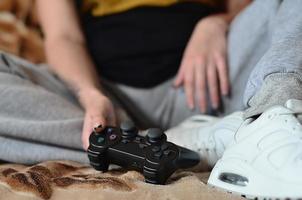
[106, 7]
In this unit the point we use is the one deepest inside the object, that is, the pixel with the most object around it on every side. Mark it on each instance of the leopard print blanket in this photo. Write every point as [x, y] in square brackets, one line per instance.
[70, 180]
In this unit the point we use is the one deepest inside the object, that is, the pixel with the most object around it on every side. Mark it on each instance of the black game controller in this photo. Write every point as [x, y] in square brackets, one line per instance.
[152, 155]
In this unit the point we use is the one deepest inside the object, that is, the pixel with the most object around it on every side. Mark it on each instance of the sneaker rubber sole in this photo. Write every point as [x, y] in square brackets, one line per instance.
[237, 177]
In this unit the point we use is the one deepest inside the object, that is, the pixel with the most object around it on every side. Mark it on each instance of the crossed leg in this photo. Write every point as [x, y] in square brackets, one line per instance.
[39, 117]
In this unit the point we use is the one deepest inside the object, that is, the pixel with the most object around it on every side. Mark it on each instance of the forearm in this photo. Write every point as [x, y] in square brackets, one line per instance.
[65, 45]
[69, 59]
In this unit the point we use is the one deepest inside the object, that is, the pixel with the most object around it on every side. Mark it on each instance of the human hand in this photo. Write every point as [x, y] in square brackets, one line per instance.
[99, 112]
[204, 65]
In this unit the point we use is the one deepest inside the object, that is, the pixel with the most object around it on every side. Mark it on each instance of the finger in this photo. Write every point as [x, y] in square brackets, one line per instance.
[213, 84]
[180, 75]
[86, 132]
[200, 81]
[223, 74]
[189, 85]
[98, 128]
[179, 79]
[99, 122]
[111, 121]
[92, 123]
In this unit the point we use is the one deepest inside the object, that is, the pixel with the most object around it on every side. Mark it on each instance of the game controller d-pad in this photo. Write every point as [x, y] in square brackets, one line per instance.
[152, 155]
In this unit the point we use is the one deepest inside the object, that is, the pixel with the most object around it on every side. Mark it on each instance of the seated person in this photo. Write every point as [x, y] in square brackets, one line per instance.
[133, 50]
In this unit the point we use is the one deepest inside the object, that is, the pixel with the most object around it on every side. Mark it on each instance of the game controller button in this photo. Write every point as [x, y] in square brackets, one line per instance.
[112, 137]
[100, 140]
[158, 154]
[142, 146]
[125, 141]
[110, 130]
[164, 146]
[138, 139]
[167, 152]
[156, 149]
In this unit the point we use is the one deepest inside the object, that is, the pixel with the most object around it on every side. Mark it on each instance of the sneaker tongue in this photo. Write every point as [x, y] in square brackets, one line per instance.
[296, 106]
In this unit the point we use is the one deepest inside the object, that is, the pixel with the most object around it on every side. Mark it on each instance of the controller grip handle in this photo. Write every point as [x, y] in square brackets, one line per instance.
[187, 158]
[98, 161]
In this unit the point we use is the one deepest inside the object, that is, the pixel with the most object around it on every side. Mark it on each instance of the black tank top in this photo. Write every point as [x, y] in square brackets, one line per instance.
[142, 47]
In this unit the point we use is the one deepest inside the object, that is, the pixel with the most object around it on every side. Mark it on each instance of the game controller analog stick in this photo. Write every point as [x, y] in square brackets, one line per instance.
[153, 155]
[128, 129]
[155, 135]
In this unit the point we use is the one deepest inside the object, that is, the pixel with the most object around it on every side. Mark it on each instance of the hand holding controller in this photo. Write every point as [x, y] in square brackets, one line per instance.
[152, 155]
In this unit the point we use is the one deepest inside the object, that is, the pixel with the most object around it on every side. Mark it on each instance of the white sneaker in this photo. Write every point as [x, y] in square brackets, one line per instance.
[265, 160]
[206, 135]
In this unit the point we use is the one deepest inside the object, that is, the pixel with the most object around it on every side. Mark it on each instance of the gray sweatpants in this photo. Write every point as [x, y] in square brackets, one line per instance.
[40, 119]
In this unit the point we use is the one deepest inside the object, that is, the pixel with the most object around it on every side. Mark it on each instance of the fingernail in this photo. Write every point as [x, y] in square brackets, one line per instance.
[98, 128]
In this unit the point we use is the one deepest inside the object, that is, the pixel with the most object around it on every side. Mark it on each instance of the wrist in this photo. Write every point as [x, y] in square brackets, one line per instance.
[225, 18]
[221, 21]
[89, 94]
